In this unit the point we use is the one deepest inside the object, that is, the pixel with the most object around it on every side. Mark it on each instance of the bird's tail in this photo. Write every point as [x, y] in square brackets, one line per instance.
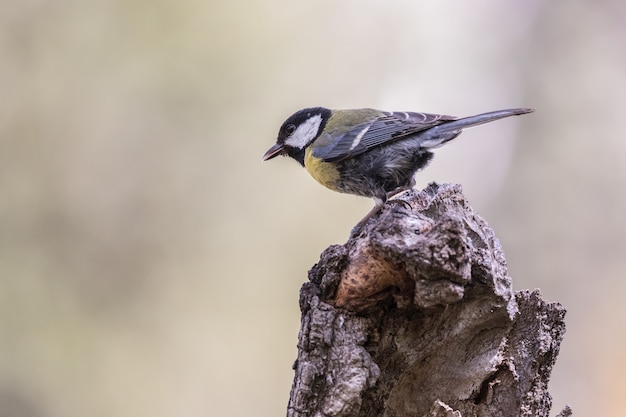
[440, 134]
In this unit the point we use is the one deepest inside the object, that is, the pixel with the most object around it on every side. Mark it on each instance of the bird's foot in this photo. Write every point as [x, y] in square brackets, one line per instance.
[391, 198]
[357, 229]
[404, 203]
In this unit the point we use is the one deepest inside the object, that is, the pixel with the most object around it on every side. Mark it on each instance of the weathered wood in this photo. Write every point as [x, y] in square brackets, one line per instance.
[415, 316]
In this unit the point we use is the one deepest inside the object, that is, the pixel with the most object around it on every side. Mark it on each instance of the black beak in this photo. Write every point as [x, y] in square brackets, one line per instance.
[274, 151]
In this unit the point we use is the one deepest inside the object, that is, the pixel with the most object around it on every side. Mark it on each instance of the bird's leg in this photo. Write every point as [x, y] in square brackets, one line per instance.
[356, 229]
[389, 198]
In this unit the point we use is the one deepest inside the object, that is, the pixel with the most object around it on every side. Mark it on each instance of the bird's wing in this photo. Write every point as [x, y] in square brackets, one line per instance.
[390, 127]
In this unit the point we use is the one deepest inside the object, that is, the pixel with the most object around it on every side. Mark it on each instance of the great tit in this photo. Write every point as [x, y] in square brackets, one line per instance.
[369, 152]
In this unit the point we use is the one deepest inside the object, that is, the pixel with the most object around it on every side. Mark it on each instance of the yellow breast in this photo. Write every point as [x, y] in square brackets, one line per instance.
[325, 173]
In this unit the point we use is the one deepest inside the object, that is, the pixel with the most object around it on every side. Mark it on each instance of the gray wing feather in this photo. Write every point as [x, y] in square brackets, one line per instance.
[385, 129]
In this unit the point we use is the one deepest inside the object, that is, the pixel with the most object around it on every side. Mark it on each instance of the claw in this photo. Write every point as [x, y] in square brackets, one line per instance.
[390, 198]
[405, 203]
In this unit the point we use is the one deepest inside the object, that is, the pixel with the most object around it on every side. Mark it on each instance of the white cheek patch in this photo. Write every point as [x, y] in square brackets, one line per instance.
[305, 133]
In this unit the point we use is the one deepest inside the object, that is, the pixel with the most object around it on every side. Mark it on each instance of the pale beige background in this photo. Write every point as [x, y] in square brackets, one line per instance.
[150, 263]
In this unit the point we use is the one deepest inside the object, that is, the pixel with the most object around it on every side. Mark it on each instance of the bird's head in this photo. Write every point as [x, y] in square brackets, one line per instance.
[298, 132]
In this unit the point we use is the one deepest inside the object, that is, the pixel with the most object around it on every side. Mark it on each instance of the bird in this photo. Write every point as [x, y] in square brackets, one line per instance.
[368, 152]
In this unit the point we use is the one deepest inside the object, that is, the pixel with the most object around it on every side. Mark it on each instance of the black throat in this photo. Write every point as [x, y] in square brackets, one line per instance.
[297, 154]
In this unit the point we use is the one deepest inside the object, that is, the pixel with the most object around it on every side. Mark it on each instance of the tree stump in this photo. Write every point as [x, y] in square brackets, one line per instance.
[415, 315]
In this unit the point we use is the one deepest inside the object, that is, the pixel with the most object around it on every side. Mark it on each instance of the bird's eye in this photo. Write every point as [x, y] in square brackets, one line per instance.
[289, 129]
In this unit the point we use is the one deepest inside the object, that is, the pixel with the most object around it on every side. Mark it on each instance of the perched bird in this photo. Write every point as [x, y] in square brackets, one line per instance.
[369, 152]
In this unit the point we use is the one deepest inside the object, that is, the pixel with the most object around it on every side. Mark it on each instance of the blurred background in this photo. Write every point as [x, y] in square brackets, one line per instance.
[150, 263]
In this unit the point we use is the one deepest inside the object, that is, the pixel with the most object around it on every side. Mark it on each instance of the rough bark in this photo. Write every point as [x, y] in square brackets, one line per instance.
[415, 316]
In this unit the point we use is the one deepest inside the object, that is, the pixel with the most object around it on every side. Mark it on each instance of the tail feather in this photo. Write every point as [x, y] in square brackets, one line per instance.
[440, 134]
